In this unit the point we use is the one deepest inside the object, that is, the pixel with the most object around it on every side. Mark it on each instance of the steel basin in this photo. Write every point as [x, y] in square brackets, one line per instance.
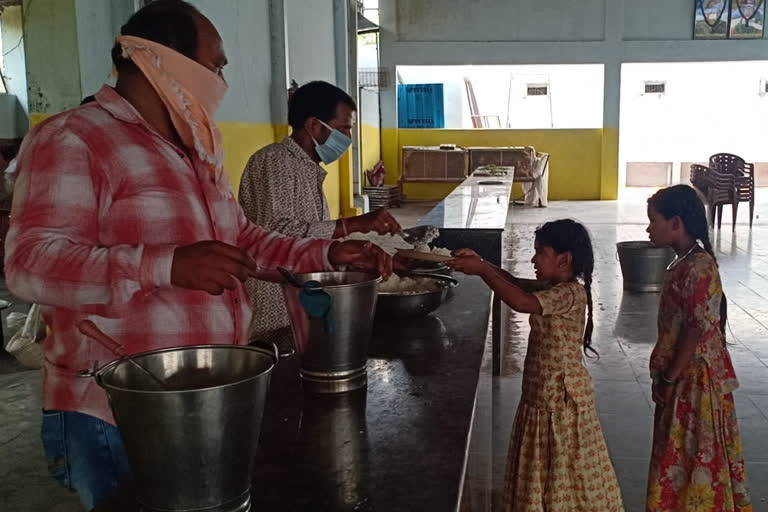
[399, 305]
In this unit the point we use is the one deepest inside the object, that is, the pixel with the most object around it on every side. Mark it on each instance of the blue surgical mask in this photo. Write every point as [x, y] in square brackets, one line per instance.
[336, 145]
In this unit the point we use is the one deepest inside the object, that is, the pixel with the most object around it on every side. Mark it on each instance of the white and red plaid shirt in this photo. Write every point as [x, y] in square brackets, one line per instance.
[100, 203]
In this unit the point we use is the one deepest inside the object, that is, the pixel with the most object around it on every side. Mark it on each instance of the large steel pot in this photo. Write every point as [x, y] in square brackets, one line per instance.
[643, 265]
[191, 447]
[399, 305]
[334, 351]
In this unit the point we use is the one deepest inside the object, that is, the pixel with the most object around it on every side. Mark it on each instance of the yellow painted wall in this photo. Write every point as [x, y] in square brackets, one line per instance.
[332, 188]
[370, 145]
[583, 163]
[36, 118]
[610, 164]
[576, 161]
[391, 154]
[241, 140]
[346, 188]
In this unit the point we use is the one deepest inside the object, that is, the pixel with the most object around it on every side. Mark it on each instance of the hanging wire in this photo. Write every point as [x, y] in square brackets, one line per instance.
[15, 47]
[21, 38]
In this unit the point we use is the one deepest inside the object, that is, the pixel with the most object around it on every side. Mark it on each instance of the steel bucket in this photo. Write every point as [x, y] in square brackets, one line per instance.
[334, 353]
[643, 265]
[191, 447]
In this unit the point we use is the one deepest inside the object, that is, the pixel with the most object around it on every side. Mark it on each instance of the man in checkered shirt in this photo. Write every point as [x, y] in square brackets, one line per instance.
[118, 220]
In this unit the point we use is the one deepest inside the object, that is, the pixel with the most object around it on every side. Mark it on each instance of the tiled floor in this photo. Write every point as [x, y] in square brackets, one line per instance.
[624, 335]
[625, 332]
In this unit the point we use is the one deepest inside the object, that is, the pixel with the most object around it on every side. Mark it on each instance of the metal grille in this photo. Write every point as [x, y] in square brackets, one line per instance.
[376, 78]
[537, 90]
[434, 164]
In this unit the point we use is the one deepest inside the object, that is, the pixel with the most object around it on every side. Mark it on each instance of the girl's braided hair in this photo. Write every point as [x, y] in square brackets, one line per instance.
[567, 235]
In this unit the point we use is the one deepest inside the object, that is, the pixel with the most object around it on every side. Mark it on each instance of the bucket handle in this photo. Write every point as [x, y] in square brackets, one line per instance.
[90, 329]
[93, 373]
[270, 346]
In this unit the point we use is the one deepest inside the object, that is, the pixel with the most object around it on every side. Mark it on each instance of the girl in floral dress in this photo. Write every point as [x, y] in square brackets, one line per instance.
[697, 462]
[558, 460]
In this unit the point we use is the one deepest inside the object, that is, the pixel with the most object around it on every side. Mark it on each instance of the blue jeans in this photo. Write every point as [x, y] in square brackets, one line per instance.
[84, 454]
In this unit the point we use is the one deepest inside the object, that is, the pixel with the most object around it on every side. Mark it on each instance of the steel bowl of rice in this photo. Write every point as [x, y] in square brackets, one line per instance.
[413, 295]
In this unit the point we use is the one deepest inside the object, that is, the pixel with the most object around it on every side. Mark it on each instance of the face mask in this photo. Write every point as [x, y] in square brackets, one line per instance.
[332, 149]
[191, 93]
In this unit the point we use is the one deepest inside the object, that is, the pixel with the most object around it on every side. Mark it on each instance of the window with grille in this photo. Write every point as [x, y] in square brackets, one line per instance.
[537, 90]
[655, 87]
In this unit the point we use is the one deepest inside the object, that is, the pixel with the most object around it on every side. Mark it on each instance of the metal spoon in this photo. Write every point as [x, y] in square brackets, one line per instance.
[292, 279]
[92, 331]
[419, 235]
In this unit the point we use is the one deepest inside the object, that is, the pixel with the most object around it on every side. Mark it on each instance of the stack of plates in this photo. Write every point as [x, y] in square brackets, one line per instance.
[386, 196]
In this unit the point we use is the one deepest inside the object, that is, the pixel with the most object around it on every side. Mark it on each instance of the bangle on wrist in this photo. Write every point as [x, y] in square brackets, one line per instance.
[667, 380]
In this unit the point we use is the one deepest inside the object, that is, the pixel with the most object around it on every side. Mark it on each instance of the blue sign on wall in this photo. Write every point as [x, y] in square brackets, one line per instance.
[420, 106]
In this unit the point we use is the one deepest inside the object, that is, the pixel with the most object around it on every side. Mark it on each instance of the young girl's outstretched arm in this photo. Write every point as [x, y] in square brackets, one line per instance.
[527, 285]
[509, 289]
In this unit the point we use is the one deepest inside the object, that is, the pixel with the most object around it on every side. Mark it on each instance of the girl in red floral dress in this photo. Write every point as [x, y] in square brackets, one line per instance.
[697, 462]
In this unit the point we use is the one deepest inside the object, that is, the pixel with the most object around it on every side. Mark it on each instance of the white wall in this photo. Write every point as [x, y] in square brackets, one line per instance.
[575, 100]
[244, 27]
[14, 66]
[483, 32]
[707, 108]
[98, 23]
[52, 55]
[369, 107]
[311, 49]
[367, 52]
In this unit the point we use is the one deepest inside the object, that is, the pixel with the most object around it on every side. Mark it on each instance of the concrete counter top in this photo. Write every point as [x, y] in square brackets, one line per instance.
[401, 444]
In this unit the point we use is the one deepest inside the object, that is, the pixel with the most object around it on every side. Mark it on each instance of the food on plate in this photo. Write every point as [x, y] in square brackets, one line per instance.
[409, 285]
[441, 251]
[391, 244]
[408, 254]
[388, 243]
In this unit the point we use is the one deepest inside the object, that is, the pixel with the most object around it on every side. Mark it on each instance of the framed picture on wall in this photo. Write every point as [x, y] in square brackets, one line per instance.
[747, 19]
[711, 19]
